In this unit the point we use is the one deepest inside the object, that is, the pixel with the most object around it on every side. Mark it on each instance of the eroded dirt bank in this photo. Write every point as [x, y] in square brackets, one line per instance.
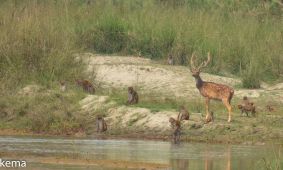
[162, 89]
[162, 82]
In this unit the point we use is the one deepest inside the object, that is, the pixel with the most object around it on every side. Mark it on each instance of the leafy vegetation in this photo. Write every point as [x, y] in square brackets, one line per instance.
[41, 112]
[38, 38]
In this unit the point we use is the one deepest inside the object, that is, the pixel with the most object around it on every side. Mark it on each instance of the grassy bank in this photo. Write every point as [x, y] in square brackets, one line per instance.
[42, 111]
[38, 38]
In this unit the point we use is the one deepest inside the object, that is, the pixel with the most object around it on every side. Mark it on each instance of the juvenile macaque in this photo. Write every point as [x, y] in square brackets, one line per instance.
[133, 97]
[176, 126]
[247, 106]
[86, 85]
[101, 125]
[170, 60]
[246, 101]
[176, 123]
[63, 86]
[183, 114]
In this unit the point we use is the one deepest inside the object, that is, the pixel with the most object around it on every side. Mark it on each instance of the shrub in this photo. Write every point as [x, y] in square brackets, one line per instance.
[251, 80]
[110, 35]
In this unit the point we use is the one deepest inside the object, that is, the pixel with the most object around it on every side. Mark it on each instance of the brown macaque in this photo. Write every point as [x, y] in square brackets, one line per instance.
[183, 114]
[133, 97]
[247, 106]
[101, 125]
[176, 123]
[170, 60]
[63, 86]
[246, 101]
[86, 85]
[176, 126]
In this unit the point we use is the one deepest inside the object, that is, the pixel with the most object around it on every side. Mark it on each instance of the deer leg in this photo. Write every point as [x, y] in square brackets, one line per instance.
[207, 108]
[229, 108]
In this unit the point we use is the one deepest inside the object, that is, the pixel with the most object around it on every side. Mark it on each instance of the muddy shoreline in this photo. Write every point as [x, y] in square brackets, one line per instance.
[135, 136]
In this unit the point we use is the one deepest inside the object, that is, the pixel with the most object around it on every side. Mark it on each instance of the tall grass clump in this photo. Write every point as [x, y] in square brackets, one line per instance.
[251, 80]
[243, 36]
[38, 38]
[42, 112]
[110, 35]
[36, 44]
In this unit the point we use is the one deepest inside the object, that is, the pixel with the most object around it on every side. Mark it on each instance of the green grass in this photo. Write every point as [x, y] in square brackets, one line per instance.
[36, 45]
[38, 39]
[50, 112]
[157, 104]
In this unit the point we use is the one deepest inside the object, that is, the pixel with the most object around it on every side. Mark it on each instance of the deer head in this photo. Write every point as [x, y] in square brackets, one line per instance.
[196, 70]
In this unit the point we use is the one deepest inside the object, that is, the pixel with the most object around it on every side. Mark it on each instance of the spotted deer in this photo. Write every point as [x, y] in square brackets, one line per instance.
[211, 90]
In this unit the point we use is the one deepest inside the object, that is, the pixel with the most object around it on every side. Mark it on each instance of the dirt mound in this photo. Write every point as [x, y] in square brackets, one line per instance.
[164, 81]
[118, 116]
[147, 76]
[151, 78]
[125, 116]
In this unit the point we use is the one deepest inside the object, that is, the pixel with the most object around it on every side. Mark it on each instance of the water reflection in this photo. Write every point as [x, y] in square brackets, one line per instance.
[228, 167]
[208, 163]
[208, 160]
[182, 156]
[179, 164]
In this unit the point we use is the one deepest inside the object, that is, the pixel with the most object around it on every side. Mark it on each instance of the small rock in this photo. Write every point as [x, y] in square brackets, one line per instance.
[260, 143]
[29, 90]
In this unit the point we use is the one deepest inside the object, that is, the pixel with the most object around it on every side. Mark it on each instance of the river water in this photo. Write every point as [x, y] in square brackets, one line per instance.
[181, 156]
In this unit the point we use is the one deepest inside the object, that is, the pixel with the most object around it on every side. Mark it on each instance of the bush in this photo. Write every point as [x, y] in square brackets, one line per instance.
[110, 35]
[251, 80]
[42, 112]
[35, 45]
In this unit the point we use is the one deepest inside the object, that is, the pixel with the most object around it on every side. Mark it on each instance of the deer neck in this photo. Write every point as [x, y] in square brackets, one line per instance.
[199, 82]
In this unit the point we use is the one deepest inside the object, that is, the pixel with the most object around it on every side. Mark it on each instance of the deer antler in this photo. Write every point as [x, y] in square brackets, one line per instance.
[192, 61]
[204, 64]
